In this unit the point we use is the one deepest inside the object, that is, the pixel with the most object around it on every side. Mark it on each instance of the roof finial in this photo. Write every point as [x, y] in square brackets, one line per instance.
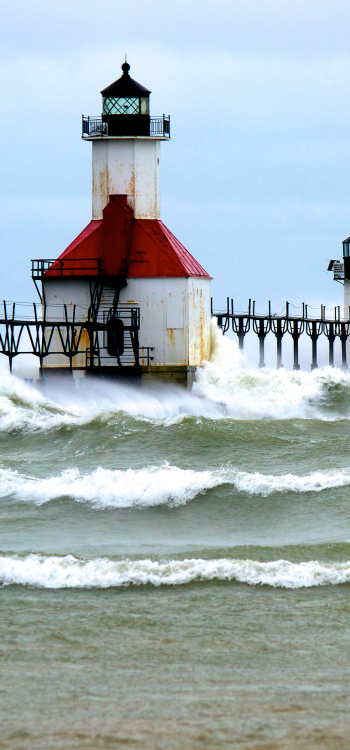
[125, 67]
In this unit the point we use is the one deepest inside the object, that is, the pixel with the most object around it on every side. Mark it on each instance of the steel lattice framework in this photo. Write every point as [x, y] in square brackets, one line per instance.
[35, 334]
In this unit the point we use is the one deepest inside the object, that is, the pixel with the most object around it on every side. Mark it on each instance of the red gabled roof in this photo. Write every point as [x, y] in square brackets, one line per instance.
[165, 241]
[83, 256]
[189, 263]
[151, 250]
[92, 227]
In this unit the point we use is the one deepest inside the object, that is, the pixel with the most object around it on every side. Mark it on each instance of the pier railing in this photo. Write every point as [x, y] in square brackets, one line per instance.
[66, 267]
[66, 330]
[329, 324]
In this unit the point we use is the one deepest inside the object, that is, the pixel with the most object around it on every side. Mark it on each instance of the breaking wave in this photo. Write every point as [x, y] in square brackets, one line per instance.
[270, 394]
[24, 408]
[157, 485]
[224, 389]
[70, 572]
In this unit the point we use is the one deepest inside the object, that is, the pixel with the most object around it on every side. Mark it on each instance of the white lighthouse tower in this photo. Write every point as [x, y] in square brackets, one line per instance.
[341, 273]
[147, 295]
[126, 149]
[346, 276]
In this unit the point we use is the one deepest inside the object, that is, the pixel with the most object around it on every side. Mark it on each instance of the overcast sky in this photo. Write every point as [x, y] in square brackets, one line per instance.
[255, 180]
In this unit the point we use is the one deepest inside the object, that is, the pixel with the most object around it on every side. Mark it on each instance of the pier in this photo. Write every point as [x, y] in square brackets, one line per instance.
[287, 323]
[69, 332]
[89, 340]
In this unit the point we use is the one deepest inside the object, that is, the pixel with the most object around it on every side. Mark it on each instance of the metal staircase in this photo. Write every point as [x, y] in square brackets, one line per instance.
[119, 325]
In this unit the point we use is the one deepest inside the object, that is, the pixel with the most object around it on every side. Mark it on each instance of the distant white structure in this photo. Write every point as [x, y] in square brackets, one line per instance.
[341, 272]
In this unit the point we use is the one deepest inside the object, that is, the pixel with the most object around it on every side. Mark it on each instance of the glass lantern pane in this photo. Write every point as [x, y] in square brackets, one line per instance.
[145, 105]
[346, 249]
[120, 106]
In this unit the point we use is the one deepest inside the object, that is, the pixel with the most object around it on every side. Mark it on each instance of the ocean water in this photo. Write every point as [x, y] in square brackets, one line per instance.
[175, 566]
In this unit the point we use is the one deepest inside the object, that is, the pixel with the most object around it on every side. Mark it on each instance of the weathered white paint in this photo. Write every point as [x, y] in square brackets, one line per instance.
[66, 291]
[174, 317]
[199, 317]
[346, 298]
[127, 166]
[346, 314]
[175, 311]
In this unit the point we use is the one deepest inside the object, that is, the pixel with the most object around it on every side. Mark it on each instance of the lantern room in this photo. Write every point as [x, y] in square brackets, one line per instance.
[126, 112]
[125, 106]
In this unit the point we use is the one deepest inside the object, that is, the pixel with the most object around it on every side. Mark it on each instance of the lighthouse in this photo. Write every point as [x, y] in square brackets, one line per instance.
[341, 273]
[147, 299]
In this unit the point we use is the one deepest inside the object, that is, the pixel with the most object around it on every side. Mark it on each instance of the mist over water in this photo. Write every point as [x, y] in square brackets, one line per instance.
[226, 507]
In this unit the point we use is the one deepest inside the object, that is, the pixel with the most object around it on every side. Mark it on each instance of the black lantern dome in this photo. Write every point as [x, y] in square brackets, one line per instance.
[125, 106]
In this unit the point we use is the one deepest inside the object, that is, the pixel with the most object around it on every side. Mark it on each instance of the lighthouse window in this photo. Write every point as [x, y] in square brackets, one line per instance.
[346, 249]
[145, 105]
[120, 106]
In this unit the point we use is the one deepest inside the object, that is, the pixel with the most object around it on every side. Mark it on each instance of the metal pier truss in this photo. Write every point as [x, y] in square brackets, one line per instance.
[295, 325]
[101, 337]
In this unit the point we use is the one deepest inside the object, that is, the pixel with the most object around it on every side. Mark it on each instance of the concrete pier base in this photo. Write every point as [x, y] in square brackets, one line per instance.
[146, 376]
[172, 374]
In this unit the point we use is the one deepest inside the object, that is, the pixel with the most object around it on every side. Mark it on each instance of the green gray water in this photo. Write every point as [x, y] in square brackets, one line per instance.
[144, 602]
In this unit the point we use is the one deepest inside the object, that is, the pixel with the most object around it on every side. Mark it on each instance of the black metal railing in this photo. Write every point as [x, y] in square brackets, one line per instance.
[44, 330]
[64, 267]
[160, 126]
[126, 359]
[40, 266]
[96, 127]
[93, 126]
[145, 354]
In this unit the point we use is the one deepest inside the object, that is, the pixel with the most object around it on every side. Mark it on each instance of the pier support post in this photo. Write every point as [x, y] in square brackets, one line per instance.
[331, 352]
[344, 330]
[241, 326]
[314, 329]
[261, 350]
[329, 329]
[296, 365]
[241, 334]
[279, 352]
[314, 364]
[261, 327]
[296, 328]
[279, 327]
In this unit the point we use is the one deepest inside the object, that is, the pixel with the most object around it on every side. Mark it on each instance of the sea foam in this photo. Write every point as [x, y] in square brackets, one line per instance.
[224, 389]
[157, 485]
[268, 394]
[69, 572]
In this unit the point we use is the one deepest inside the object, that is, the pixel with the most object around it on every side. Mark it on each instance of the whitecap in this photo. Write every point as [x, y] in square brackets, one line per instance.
[70, 572]
[157, 485]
